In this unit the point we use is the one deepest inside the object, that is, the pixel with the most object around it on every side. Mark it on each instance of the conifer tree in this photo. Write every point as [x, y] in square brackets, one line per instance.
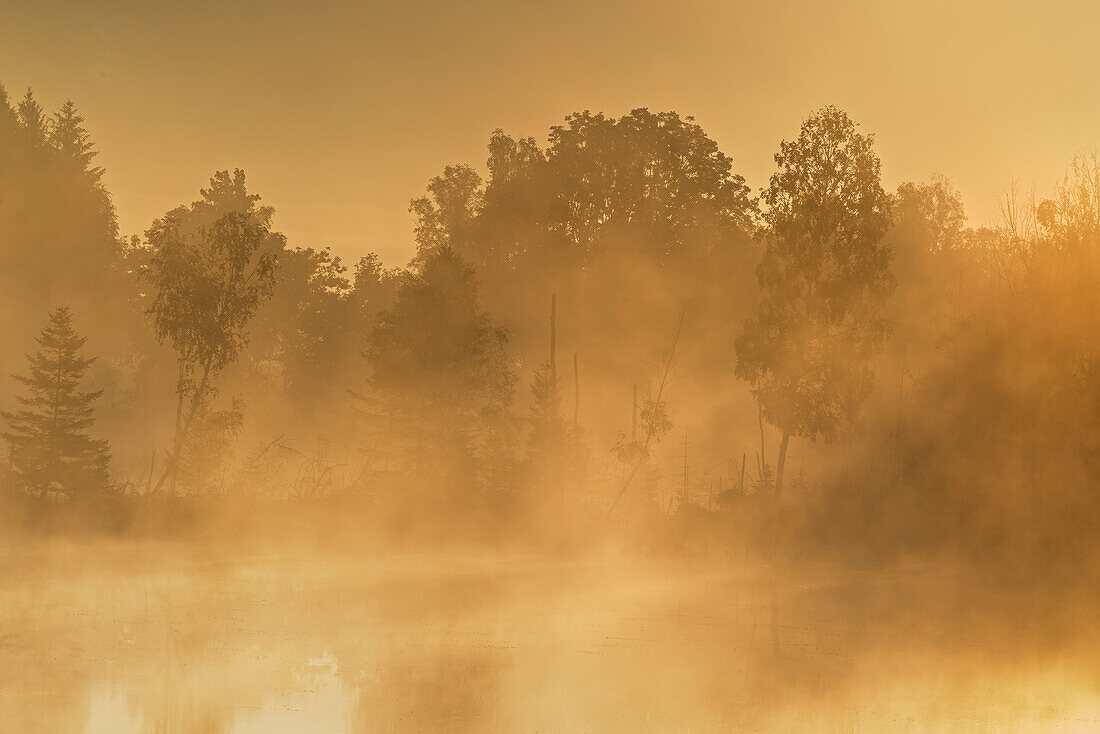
[547, 423]
[69, 137]
[50, 449]
[8, 120]
[548, 426]
[36, 126]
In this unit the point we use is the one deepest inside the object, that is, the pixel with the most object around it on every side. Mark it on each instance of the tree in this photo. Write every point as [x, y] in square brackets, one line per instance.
[35, 123]
[70, 138]
[453, 200]
[930, 213]
[299, 330]
[58, 234]
[9, 122]
[824, 280]
[549, 430]
[441, 382]
[647, 185]
[211, 265]
[1070, 219]
[551, 436]
[653, 182]
[51, 451]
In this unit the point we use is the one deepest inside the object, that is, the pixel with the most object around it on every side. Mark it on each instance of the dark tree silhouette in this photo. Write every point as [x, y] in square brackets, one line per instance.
[35, 123]
[824, 280]
[549, 430]
[58, 235]
[440, 378]
[51, 451]
[445, 213]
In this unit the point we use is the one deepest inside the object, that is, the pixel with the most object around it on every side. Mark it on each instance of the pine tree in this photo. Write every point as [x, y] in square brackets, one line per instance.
[36, 126]
[68, 135]
[8, 119]
[548, 426]
[51, 452]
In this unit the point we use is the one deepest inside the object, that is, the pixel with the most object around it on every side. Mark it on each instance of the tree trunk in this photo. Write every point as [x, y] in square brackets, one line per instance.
[177, 439]
[634, 420]
[553, 345]
[576, 408]
[182, 429]
[557, 447]
[781, 462]
[762, 457]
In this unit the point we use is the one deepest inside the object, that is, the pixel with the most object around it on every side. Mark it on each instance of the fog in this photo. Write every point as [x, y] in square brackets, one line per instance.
[630, 444]
[176, 639]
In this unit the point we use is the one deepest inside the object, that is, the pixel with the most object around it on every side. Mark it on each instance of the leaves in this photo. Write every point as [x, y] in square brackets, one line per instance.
[824, 279]
[212, 263]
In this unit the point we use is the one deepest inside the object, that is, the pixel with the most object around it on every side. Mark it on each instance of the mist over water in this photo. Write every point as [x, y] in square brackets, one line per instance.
[197, 642]
[639, 439]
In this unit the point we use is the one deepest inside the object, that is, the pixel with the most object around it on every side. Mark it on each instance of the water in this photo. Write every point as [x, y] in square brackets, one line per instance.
[126, 638]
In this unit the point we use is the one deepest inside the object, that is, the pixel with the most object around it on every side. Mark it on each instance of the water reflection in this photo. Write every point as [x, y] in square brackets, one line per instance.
[166, 645]
[318, 702]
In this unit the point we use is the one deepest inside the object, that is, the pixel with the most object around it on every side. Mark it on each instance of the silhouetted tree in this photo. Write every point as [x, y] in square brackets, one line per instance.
[445, 213]
[58, 235]
[212, 263]
[931, 213]
[1070, 218]
[626, 219]
[35, 123]
[70, 138]
[297, 333]
[440, 378]
[548, 426]
[548, 448]
[50, 449]
[648, 184]
[824, 280]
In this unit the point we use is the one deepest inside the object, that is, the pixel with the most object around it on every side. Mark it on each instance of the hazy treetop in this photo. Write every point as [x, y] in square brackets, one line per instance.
[346, 109]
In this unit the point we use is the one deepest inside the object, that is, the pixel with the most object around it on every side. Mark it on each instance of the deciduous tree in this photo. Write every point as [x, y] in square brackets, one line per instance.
[212, 264]
[824, 280]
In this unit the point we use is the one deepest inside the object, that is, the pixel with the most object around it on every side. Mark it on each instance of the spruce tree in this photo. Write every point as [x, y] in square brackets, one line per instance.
[50, 449]
[69, 137]
[35, 123]
[548, 426]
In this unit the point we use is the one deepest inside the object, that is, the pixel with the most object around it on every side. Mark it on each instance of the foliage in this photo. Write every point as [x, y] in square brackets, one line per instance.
[453, 199]
[58, 234]
[824, 280]
[440, 378]
[549, 430]
[211, 265]
[51, 453]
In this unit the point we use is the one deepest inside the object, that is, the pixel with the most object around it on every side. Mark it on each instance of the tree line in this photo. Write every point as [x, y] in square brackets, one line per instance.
[560, 321]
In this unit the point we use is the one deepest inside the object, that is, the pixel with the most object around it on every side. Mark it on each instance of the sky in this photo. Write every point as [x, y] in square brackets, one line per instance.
[339, 111]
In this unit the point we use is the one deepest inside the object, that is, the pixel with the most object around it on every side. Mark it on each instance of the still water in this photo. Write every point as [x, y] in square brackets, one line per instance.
[121, 639]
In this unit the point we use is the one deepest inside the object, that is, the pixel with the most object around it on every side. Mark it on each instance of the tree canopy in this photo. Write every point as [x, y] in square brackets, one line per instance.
[824, 279]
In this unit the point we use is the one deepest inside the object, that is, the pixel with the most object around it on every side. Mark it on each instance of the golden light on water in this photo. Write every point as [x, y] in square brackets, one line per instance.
[549, 367]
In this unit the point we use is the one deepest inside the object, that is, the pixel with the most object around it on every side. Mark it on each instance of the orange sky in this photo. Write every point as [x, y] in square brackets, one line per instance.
[340, 111]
